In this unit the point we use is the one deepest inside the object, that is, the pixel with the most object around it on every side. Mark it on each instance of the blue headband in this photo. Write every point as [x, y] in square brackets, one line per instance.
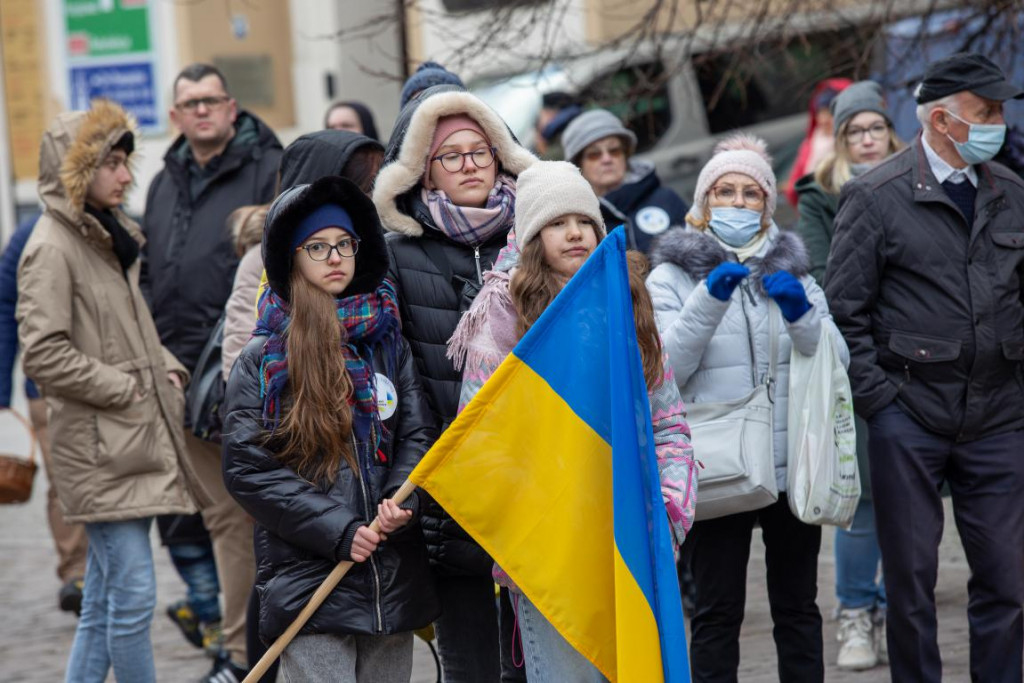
[326, 216]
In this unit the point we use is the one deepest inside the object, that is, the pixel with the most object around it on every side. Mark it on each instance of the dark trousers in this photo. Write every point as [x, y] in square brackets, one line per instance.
[717, 551]
[513, 664]
[986, 479]
[467, 630]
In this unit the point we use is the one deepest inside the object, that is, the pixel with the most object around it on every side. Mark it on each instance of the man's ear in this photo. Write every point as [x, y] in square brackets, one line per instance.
[939, 118]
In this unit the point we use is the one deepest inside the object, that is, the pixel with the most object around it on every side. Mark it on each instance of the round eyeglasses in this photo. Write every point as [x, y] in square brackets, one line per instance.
[877, 131]
[453, 162]
[321, 251]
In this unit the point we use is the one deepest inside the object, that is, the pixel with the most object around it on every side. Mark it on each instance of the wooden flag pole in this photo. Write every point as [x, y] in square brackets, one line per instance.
[316, 600]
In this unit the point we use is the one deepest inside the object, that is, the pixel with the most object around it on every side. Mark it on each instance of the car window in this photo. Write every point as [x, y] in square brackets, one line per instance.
[517, 99]
[638, 95]
[742, 89]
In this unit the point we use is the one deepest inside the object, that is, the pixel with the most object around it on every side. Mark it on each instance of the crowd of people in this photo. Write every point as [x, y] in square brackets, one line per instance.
[260, 364]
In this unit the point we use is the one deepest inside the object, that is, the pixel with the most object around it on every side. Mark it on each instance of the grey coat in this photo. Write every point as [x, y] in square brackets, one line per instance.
[718, 349]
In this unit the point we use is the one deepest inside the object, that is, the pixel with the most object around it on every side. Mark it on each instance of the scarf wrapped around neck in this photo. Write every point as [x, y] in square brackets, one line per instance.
[367, 320]
[469, 225]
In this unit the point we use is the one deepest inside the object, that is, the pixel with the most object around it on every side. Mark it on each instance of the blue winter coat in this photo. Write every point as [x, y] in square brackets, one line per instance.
[645, 207]
[8, 301]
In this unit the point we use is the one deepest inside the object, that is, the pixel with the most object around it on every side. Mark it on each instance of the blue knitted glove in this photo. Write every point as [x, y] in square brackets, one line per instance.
[788, 293]
[724, 278]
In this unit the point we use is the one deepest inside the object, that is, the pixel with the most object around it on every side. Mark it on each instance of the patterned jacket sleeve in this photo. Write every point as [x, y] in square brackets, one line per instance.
[676, 463]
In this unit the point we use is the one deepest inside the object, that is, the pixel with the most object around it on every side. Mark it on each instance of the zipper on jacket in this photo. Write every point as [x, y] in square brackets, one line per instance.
[906, 376]
[479, 272]
[374, 571]
[745, 287]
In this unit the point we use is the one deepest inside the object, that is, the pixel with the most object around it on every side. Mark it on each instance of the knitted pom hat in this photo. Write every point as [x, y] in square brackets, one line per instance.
[547, 190]
[739, 153]
[428, 74]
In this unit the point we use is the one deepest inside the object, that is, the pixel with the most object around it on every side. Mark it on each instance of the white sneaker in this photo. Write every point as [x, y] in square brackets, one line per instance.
[856, 641]
[881, 646]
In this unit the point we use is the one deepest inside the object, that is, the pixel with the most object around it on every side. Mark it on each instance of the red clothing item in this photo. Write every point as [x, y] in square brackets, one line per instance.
[800, 167]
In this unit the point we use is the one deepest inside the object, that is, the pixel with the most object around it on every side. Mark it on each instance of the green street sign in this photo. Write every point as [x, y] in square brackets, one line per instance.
[101, 28]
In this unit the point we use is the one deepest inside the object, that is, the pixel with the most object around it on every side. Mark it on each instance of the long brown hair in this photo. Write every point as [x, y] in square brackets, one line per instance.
[314, 434]
[534, 285]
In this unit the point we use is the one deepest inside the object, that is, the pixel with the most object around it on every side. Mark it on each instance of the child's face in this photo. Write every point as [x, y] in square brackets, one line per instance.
[109, 183]
[470, 185]
[568, 241]
[322, 265]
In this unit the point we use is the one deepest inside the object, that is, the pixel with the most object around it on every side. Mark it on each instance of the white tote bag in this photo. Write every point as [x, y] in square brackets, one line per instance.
[822, 477]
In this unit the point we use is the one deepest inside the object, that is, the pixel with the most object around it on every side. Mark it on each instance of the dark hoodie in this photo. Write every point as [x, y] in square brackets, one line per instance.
[323, 153]
[641, 204]
[189, 259]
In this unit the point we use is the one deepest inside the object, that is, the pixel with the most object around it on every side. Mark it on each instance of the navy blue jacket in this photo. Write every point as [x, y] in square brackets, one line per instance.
[645, 207]
[8, 301]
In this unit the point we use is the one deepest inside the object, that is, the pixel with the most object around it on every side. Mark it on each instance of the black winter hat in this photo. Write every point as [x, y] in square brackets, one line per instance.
[965, 71]
[295, 203]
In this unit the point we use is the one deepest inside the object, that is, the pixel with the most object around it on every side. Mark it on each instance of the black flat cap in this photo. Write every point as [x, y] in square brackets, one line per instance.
[965, 71]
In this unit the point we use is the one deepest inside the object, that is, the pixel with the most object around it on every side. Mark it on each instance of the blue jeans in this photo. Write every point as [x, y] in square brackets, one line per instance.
[858, 583]
[549, 657]
[198, 569]
[117, 606]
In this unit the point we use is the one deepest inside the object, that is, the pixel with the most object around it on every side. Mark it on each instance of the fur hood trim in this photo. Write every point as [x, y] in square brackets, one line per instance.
[698, 253]
[405, 172]
[99, 130]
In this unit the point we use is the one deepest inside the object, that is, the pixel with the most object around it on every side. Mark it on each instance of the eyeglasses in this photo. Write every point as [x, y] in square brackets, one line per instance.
[453, 162]
[212, 103]
[596, 153]
[877, 131]
[321, 251]
[727, 193]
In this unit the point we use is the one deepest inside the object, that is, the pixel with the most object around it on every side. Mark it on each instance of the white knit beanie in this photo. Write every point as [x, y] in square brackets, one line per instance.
[547, 190]
[739, 153]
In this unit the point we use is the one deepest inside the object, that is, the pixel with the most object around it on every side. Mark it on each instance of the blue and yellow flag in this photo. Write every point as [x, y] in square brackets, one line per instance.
[551, 468]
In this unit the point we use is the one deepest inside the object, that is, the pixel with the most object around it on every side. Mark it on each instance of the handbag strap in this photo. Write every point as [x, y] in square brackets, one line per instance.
[34, 442]
[773, 348]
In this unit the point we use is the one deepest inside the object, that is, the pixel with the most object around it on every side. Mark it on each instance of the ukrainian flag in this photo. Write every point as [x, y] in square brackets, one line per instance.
[551, 468]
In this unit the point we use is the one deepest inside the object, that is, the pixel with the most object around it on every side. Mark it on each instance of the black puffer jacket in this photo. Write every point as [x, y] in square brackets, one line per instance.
[189, 258]
[303, 530]
[929, 303]
[644, 206]
[436, 279]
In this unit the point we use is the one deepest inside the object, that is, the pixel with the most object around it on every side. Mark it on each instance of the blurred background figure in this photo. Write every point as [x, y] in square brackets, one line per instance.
[428, 74]
[69, 539]
[864, 136]
[557, 109]
[353, 116]
[629, 189]
[818, 141]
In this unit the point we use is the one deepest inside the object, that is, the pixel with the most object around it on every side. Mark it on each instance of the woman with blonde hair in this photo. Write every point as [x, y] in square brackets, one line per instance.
[864, 138]
[721, 287]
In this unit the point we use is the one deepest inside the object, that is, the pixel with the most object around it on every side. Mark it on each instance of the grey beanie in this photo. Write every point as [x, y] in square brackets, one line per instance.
[859, 97]
[547, 190]
[591, 126]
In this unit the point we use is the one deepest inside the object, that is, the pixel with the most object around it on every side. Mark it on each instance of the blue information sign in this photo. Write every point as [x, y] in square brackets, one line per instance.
[128, 84]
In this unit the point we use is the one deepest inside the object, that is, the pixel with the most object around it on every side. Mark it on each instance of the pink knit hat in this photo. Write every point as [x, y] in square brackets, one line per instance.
[445, 127]
[739, 153]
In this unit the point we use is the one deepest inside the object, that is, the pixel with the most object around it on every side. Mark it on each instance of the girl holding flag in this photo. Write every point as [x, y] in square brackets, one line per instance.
[325, 418]
[558, 224]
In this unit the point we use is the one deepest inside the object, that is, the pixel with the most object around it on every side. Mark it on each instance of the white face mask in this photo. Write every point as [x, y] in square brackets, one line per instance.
[983, 141]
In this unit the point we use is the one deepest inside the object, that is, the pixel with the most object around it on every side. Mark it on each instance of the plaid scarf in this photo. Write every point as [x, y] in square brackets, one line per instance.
[470, 225]
[368, 321]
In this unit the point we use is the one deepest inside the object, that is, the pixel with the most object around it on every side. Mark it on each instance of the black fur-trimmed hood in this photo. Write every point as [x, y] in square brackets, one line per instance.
[299, 201]
[698, 253]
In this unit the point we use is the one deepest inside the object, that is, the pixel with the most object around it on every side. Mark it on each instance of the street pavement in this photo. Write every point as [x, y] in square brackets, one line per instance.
[35, 637]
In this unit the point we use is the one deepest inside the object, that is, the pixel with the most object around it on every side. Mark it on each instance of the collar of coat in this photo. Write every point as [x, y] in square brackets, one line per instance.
[698, 253]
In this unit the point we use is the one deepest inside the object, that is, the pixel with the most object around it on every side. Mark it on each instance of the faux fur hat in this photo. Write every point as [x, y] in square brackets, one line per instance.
[295, 203]
[739, 153]
[404, 169]
[99, 130]
[550, 189]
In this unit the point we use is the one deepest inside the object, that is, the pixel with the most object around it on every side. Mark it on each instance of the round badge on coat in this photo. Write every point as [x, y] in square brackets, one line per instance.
[387, 397]
[653, 220]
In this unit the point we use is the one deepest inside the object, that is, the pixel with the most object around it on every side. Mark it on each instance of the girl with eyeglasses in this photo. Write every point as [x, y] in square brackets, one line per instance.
[325, 418]
[720, 286]
[447, 195]
[864, 137]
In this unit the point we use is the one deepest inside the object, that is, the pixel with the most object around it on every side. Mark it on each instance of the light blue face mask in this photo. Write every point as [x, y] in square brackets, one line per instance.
[983, 141]
[735, 227]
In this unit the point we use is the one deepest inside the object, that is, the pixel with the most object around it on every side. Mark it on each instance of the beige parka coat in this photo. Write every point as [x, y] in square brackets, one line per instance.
[89, 342]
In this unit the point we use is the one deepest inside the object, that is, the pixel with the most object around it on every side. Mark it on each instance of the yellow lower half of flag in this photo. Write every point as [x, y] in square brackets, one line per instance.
[637, 639]
[531, 482]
